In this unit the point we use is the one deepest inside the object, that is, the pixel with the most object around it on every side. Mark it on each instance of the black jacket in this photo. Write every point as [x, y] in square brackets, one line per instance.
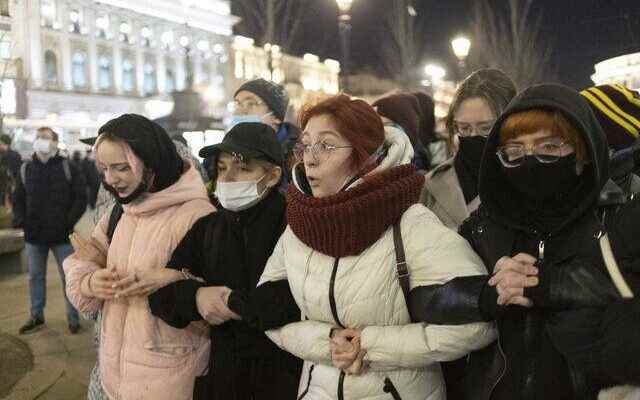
[231, 249]
[13, 160]
[557, 347]
[48, 205]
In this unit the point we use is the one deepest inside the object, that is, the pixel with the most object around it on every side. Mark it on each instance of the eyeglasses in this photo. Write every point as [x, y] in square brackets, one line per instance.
[246, 104]
[320, 150]
[468, 129]
[512, 155]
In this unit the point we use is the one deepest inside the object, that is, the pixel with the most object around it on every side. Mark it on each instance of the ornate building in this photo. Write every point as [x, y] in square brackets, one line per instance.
[623, 69]
[74, 64]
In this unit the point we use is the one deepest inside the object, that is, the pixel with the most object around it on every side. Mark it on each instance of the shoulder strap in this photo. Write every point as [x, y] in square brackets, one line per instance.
[23, 173]
[116, 213]
[67, 170]
[401, 263]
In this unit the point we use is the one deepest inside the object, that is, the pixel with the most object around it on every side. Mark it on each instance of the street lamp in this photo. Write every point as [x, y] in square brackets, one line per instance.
[344, 25]
[461, 46]
[434, 72]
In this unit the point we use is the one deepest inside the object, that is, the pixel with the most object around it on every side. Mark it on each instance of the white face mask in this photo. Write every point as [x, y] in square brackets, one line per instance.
[238, 196]
[42, 146]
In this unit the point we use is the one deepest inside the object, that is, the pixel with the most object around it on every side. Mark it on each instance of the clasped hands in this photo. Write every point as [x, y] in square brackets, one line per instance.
[346, 353]
[511, 276]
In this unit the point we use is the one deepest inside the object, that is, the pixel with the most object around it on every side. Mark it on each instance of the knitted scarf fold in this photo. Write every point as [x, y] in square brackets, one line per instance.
[348, 222]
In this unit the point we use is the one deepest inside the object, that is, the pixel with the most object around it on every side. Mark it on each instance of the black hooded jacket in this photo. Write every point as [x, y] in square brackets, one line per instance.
[559, 347]
[231, 249]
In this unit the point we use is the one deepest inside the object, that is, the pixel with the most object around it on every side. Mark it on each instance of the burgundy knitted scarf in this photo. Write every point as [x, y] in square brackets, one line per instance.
[348, 222]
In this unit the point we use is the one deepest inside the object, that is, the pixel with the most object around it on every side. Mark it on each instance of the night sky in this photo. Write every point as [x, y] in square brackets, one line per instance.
[582, 32]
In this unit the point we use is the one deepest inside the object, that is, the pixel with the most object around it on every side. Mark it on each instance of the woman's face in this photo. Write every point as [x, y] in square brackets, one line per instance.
[115, 168]
[474, 117]
[231, 169]
[328, 165]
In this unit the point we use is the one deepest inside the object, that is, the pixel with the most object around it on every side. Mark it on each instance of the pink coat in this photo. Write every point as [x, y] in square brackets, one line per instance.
[140, 356]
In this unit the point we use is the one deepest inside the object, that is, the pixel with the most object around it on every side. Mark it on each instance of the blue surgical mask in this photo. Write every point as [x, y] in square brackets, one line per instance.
[253, 118]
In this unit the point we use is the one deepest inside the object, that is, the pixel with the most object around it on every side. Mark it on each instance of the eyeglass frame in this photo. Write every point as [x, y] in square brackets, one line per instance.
[242, 104]
[475, 131]
[530, 150]
[303, 148]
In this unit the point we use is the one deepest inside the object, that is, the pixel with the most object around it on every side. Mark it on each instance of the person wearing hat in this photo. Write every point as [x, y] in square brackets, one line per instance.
[618, 111]
[403, 110]
[263, 101]
[227, 251]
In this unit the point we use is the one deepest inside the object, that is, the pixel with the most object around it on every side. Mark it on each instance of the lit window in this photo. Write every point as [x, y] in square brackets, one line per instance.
[48, 13]
[149, 79]
[170, 83]
[128, 79]
[5, 46]
[167, 38]
[125, 30]
[146, 34]
[104, 73]
[102, 23]
[51, 67]
[74, 18]
[78, 71]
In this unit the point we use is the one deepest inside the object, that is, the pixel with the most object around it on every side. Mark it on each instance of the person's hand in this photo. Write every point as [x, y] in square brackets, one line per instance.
[212, 304]
[100, 283]
[346, 353]
[145, 283]
[511, 276]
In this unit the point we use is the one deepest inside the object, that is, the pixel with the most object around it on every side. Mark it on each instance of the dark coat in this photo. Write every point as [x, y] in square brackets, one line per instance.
[48, 205]
[231, 249]
[557, 346]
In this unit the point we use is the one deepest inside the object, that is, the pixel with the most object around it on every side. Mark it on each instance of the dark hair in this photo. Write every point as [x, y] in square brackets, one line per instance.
[491, 85]
[54, 134]
[356, 121]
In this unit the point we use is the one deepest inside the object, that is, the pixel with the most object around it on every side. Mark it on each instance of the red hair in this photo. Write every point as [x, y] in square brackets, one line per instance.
[356, 121]
[531, 121]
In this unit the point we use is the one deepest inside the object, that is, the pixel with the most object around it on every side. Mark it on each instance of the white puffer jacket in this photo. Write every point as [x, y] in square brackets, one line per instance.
[368, 297]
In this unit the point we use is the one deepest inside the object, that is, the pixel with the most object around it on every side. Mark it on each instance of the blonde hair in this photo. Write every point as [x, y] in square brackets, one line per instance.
[135, 163]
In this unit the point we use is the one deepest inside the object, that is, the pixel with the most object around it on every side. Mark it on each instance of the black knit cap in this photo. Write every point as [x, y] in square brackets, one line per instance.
[151, 143]
[250, 141]
[274, 95]
[618, 111]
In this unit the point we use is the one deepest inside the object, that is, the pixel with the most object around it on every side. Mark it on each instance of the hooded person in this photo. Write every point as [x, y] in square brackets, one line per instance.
[159, 196]
[353, 216]
[227, 250]
[451, 189]
[618, 111]
[539, 229]
[404, 111]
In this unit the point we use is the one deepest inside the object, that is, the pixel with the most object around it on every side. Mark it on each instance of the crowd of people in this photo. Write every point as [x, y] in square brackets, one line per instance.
[331, 259]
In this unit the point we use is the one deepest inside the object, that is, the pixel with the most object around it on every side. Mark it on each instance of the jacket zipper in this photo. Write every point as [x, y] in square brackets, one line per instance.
[308, 383]
[504, 370]
[334, 312]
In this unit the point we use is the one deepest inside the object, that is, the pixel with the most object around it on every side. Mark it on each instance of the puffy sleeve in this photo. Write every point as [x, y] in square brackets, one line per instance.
[435, 255]
[76, 270]
[307, 340]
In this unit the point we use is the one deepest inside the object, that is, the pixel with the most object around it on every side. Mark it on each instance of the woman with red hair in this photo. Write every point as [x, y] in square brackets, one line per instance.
[356, 240]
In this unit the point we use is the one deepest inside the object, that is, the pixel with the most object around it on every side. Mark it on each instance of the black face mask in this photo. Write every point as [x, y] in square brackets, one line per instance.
[470, 151]
[541, 181]
[467, 164]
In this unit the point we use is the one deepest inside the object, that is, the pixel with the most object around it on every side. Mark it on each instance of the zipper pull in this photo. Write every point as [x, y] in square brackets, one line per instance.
[541, 250]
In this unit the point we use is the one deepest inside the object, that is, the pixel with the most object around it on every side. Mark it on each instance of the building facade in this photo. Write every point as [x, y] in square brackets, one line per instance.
[624, 70]
[74, 64]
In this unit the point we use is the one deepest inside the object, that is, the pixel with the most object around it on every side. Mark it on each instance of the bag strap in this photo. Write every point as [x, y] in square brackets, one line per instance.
[401, 264]
[116, 213]
[67, 170]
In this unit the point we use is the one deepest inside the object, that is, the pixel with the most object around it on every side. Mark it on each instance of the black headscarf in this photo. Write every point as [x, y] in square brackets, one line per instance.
[150, 143]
